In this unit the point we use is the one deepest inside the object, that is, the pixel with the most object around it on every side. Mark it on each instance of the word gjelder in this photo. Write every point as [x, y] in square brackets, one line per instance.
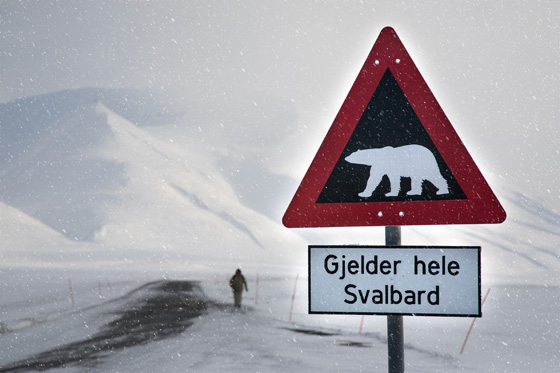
[333, 265]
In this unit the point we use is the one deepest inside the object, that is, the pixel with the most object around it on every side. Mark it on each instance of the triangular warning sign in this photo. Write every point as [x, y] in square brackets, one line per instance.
[391, 156]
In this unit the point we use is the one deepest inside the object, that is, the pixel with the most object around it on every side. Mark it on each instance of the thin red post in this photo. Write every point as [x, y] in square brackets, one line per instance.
[472, 324]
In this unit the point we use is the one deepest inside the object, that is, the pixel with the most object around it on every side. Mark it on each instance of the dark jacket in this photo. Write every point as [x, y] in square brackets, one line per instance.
[237, 282]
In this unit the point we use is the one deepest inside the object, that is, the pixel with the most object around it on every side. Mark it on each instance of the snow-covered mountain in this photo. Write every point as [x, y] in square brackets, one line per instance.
[84, 185]
[117, 179]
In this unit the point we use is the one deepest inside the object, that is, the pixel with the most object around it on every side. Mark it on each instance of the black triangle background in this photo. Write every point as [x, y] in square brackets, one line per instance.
[388, 120]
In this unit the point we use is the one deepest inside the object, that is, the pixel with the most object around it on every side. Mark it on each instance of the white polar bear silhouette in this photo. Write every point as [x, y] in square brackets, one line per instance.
[413, 161]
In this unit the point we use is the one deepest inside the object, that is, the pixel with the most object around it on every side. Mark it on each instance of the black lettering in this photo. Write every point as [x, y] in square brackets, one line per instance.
[334, 264]
[353, 267]
[386, 294]
[374, 263]
[421, 263]
[420, 292]
[396, 264]
[363, 296]
[385, 267]
[377, 296]
[397, 293]
[410, 297]
[453, 268]
[349, 292]
[433, 268]
[433, 297]
[362, 262]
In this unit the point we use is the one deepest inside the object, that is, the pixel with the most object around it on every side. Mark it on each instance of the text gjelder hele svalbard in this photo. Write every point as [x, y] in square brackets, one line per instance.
[389, 294]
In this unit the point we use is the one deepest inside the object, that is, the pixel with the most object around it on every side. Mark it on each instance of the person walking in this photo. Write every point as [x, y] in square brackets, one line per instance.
[237, 282]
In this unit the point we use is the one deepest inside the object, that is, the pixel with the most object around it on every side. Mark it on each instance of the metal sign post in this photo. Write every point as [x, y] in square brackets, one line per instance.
[395, 330]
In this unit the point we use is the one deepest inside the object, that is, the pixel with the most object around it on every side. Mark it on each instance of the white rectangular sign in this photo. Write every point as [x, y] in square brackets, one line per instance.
[395, 280]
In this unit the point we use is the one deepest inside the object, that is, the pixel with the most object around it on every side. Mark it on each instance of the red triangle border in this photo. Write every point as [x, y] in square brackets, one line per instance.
[481, 205]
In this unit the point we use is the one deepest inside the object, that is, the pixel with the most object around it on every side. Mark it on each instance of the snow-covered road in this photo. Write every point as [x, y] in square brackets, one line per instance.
[179, 325]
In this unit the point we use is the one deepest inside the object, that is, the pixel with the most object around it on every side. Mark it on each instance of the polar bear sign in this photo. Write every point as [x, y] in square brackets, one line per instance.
[408, 161]
[391, 156]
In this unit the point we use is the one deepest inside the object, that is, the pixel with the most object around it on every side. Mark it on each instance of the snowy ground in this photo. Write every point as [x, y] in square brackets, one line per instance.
[517, 333]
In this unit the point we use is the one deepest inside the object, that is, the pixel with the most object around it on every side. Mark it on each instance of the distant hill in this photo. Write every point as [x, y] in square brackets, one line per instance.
[78, 170]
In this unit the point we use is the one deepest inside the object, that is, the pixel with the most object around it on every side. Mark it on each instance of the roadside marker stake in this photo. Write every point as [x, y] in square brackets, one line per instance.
[472, 324]
[361, 324]
[71, 292]
[293, 297]
[257, 290]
